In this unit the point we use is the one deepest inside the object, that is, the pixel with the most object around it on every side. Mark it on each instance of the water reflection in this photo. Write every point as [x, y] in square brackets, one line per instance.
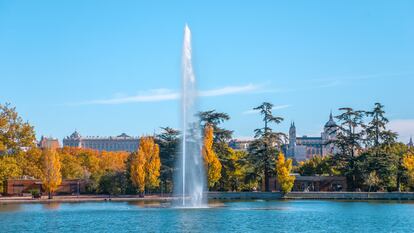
[150, 204]
[51, 206]
[10, 207]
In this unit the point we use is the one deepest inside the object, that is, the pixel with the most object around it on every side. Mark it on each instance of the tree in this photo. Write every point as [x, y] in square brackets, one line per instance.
[381, 154]
[211, 162]
[52, 177]
[9, 168]
[14, 133]
[283, 169]
[317, 165]
[145, 165]
[263, 149]
[349, 138]
[213, 119]
[113, 183]
[376, 132]
[169, 143]
[372, 180]
[408, 163]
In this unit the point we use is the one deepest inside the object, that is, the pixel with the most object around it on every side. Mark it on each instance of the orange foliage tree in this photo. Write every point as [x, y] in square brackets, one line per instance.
[52, 177]
[145, 165]
[211, 162]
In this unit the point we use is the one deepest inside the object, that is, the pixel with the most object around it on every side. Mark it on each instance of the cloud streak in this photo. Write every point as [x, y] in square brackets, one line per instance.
[158, 95]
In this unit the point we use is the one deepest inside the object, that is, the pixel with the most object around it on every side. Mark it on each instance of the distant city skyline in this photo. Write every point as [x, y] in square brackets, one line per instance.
[104, 68]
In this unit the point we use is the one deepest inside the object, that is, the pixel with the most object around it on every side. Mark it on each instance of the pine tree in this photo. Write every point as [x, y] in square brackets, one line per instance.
[52, 177]
[266, 144]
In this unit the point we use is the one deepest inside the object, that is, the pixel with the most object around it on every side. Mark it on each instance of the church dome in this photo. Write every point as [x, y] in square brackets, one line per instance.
[75, 135]
[331, 122]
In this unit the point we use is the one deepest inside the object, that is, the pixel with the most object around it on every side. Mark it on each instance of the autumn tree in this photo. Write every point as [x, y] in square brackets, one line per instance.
[212, 163]
[283, 169]
[408, 163]
[145, 165]
[9, 168]
[14, 133]
[267, 143]
[52, 177]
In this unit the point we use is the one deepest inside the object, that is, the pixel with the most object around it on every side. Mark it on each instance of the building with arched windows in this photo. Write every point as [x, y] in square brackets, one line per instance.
[122, 142]
[303, 148]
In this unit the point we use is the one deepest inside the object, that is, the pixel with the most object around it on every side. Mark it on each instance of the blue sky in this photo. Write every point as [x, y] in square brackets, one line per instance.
[70, 65]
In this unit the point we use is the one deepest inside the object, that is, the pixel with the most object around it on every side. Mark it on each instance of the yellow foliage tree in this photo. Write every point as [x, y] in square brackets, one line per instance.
[52, 177]
[211, 162]
[283, 169]
[145, 165]
[408, 163]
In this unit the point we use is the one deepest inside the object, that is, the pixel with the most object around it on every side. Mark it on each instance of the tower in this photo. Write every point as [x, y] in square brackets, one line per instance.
[292, 140]
[410, 144]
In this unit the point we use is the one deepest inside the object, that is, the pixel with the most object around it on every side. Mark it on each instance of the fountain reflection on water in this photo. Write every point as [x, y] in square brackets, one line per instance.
[190, 178]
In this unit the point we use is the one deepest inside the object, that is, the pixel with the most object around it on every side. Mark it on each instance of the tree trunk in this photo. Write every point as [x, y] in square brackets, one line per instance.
[267, 183]
[50, 195]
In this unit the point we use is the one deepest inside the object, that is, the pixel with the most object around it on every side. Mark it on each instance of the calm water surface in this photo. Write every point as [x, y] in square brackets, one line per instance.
[235, 216]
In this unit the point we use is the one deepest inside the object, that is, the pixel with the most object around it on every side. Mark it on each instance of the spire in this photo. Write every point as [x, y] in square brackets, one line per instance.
[411, 144]
[330, 116]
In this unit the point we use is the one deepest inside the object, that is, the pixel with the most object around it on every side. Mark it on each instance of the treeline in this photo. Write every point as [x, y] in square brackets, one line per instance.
[366, 153]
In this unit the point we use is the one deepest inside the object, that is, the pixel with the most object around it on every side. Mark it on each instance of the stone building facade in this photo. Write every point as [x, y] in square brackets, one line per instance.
[48, 143]
[122, 142]
[303, 148]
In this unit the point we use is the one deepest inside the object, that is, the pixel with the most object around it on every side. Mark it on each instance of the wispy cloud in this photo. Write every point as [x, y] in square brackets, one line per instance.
[230, 90]
[157, 95]
[277, 107]
[404, 128]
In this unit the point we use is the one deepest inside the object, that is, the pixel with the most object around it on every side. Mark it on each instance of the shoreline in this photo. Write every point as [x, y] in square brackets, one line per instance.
[352, 196]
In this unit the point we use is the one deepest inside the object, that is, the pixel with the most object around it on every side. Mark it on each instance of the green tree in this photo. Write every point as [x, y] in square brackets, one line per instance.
[349, 137]
[266, 144]
[169, 142]
[113, 183]
[317, 165]
[372, 180]
[382, 154]
[15, 135]
[214, 119]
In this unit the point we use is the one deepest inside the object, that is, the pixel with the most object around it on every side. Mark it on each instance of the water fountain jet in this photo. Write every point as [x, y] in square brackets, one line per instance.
[190, 178]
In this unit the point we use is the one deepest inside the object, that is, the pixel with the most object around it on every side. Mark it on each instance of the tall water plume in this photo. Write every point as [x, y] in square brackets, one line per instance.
[190, 178]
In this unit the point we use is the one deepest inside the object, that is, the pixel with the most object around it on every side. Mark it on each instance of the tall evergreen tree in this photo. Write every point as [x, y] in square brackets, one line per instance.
[264, 148]
[349, 139]
[169, 142]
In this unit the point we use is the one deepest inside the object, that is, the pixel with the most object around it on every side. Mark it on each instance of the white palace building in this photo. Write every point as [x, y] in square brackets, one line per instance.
[122, 142]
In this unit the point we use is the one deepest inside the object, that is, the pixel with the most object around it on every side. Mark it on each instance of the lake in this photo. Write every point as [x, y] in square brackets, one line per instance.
[230, 216]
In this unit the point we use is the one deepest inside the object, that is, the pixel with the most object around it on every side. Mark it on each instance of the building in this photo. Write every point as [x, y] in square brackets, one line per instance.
[122, 142]
[314, 184]
[410, 144]
[48, 143]
[303, 148]
[237, 144]
[19, 187]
